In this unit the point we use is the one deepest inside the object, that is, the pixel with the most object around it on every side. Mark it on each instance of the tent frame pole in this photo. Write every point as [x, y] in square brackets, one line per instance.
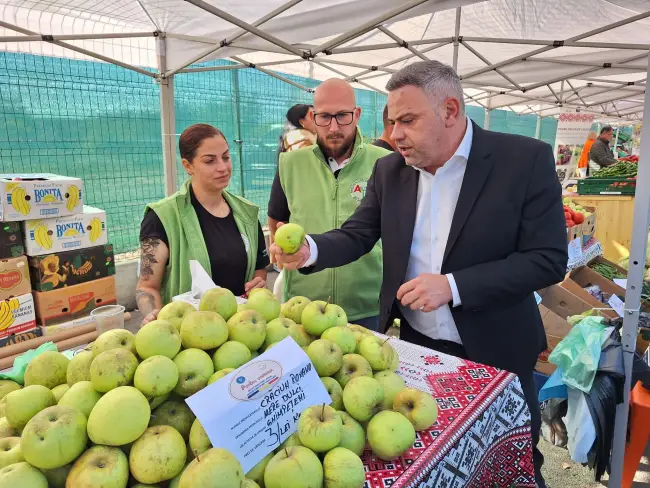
[230, 67]
[168, 120]
[74, 37]
[635, 275]
[456, 39]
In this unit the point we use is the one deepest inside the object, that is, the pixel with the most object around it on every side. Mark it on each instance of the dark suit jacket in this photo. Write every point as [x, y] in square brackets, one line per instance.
[507, 239]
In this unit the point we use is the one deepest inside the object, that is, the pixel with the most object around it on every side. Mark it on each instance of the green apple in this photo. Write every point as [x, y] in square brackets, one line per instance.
[110, 426]
[301, 336]
[342, 336]
[194, 370]
[319, 428]
[213, 464]
[23, 404]
[254, 354]
[232, 354]
[7, 430]
[248, 483]
[326, 357]
[390, 435]
[3, 407]
[395, 364]
[319, 316]
[294, 307]
[158, 455]
[247, 327]
[54, 437]
[175, 312]
[22, 475]
[199, 440]
[352, 365]
[359, 333]
[378, 352]
[158, 338]
[220, 374]
[156, 376]
[175, 414]
[289, 238]
[392, 383]
[257, 472]
[57, 477]
[343, 469]
[278, 329]
[7, 386]
[203, 330]
[341, 316]
[419, 407]
[297, 465]
[59, 391]
[363, 397]
[292, 440]
[155, 402]
[112, 368]
[175, 481]
[48, 369]
[10, 452]
[219, 300]
[79, 367]
[114, 339]
[353, 437]
[335, 391]
[264, 302]
[102, 466]
[81, 396]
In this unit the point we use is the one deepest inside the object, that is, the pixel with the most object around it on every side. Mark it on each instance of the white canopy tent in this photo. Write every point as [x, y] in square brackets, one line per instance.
[531, 56]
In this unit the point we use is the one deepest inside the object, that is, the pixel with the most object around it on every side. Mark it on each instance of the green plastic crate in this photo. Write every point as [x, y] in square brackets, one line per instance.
[607, 186]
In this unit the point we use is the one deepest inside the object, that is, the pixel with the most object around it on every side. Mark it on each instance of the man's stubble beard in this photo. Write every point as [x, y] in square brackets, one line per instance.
[341, 150]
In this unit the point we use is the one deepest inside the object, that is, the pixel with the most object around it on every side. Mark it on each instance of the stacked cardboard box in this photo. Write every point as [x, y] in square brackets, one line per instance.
[69, 265]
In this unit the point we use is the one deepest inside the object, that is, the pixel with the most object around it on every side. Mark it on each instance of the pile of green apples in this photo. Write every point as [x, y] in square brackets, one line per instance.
[114, 415]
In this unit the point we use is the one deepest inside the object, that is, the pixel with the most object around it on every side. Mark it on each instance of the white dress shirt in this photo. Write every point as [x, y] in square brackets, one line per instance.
[436, 203]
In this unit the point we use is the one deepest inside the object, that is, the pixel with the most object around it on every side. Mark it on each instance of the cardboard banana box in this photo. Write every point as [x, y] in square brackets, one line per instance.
[47, 236]
[16, 338]
[38, 196]
[11, 240]
[14, 277]
[57, 270]
[17, 315]
[72, 302]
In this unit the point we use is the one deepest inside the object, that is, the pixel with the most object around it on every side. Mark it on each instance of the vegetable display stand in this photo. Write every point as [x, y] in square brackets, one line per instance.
[614, 223]
[607, 186]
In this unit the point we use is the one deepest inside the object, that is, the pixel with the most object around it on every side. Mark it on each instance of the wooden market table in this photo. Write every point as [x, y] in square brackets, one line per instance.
[613, 223]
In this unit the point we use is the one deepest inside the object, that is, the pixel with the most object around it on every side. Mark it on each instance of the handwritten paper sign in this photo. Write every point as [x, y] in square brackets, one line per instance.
[622, 282]
[575, 251]
[617, 304]
[252, 410]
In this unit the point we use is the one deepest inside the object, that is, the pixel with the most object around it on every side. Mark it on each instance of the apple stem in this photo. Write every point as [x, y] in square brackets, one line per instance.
[286, 451]
[385, 341]
[328, 300]
[322, 414]
[196, 454]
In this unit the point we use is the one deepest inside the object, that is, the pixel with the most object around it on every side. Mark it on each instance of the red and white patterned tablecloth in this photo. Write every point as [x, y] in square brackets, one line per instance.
[481, 438]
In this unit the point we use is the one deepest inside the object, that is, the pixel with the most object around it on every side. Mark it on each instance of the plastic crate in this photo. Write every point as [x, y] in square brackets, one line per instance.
[607, 186]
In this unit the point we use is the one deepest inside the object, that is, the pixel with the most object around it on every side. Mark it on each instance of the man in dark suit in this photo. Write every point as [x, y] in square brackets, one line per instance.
[471, 223]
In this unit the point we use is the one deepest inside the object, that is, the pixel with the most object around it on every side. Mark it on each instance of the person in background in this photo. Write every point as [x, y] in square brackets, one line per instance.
[583, 162]
[471, 224]
[601, 154]
[203, 222]
[384, 139]
[320, 186]
[299, 130]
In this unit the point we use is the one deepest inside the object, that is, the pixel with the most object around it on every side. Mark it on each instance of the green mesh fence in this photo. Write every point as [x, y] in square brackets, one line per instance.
[101, 123]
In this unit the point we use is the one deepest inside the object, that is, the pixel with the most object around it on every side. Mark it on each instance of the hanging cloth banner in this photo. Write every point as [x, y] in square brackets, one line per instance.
[572, 131]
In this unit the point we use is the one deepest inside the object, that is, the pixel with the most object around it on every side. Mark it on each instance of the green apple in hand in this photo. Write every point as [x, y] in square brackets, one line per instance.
[289, 237]
[298, 464]
[219, 300]
[353, 437]
[363, 397]
[325, 356]
[417, 406]
[342, 336]
[335, 391]
[249, 328]
[378, 352]
[294, 307]
[319, 316]
[392, 384]
[319, 428]
[390, 435]
[343, 469]
[352, 365]
[175, 312]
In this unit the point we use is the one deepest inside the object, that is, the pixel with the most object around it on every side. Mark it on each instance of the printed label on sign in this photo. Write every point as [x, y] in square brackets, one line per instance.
[575, 251]
[252, 410]
[617, 304]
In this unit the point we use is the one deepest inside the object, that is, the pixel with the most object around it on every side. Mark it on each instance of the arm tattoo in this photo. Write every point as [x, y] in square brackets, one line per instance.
[145, 300]
[148, 259]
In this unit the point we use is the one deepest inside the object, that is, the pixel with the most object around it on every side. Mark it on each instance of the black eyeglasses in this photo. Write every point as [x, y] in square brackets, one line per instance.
[342, 118]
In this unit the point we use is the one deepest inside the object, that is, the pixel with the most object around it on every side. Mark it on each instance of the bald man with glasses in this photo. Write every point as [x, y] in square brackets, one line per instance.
[319, 187]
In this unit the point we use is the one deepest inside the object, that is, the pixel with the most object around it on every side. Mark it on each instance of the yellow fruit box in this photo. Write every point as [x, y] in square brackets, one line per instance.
[17, 315]
[73, 302]
[47, 236]
[39, 196]
[14, 277]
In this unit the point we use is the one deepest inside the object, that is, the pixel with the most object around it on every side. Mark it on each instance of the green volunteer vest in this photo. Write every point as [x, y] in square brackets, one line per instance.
[186, 239]
[319, 203]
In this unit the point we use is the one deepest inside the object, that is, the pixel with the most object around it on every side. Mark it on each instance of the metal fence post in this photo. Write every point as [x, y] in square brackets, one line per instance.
[168, 119]
[238, 136]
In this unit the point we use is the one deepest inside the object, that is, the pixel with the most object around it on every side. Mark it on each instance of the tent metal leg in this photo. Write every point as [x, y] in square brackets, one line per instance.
[456, 39]
[538, 128]
[168, 121]
[486, 120]
[635, 275]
